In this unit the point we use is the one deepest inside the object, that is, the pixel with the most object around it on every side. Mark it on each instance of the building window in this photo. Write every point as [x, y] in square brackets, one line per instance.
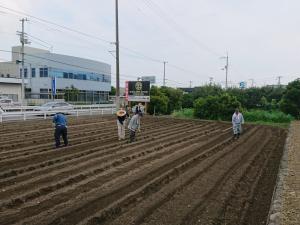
[65, 75]
[32, 72]
[44, 72]
[25, 73]
[44, 93]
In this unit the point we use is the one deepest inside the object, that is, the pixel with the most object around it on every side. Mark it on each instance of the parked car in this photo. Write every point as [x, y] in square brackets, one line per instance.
[54, 106]
[8, 102]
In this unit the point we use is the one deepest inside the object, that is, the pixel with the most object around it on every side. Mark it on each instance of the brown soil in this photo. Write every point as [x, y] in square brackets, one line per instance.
[181, 172]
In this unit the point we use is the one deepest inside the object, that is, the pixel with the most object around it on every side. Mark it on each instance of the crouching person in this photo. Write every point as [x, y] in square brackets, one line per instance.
[60, 122]
[121, 123]
[237, 121]
[134, 125]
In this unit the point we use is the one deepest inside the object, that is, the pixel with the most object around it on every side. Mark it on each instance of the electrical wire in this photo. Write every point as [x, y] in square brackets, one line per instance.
[138, 54]
[173, 24]
[56, 24]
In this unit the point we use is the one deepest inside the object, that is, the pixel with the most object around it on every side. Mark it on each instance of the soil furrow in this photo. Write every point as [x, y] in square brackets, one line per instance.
[22, 187]
[69, 155]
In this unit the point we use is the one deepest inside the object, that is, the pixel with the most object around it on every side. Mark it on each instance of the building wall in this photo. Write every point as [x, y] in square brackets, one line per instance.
[13, 91]
[61, 83]
[9, 69]
[92, 76]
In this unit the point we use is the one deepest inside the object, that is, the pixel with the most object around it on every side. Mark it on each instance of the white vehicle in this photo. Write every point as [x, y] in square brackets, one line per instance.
[8, 102]
[54, 106]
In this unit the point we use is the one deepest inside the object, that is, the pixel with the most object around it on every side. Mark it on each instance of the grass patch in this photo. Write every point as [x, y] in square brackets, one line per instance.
[262, 116]
[184, 113]
[259, 117]
[281, 125]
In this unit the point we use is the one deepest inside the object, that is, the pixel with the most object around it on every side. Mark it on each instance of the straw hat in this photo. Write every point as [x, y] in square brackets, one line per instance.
[121, 112]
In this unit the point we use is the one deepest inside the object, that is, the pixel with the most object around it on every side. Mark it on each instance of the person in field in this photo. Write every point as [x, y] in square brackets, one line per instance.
[61, 129]
[121, 123]
[134, 125]
[237, 121]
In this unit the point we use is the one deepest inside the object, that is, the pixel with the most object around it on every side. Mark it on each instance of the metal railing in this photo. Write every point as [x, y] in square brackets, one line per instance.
[26, 115]
[32, 108]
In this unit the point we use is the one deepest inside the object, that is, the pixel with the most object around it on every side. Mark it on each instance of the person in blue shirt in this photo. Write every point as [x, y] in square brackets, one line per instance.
[60, 129]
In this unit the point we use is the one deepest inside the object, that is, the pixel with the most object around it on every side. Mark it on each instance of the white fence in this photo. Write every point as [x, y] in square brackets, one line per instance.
[31, 108]
[25, 115]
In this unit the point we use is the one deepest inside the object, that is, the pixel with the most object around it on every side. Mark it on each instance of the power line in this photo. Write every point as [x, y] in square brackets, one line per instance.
[79, 32]
[40, 40]
[55, 24]
[142, 56]
[179, 29]
[68, 64]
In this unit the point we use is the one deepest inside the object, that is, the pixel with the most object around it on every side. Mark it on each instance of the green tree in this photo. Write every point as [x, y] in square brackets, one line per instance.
[290, 102]
[71, 94]
[112, 91]
[264, 102]
[158, 104]
[207, 90]
[216, 107]
[175, 98]
[187, 101]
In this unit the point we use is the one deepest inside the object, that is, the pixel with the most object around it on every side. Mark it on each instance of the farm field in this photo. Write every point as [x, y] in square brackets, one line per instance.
[178, 172]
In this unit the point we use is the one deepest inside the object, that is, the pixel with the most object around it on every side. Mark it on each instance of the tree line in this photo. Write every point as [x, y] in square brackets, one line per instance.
[214, 102]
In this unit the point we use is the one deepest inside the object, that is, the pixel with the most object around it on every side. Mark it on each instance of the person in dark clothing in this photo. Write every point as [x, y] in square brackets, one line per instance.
[60, 129]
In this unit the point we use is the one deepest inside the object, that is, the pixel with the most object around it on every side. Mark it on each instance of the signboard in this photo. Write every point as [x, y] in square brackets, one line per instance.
[149, 78]
[137, 91]
[242, 85]
[53, 86]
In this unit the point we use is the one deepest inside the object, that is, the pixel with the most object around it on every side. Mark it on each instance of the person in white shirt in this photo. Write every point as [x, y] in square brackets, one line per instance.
[237, 121]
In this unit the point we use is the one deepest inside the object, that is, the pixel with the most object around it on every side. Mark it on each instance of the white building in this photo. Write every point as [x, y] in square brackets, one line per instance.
[92, 79]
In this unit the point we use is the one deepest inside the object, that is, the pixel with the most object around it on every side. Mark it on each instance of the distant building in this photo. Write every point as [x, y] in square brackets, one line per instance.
[187, 90]
[91, 78]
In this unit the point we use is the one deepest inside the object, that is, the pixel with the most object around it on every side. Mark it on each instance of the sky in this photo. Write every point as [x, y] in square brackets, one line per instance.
[262, 38]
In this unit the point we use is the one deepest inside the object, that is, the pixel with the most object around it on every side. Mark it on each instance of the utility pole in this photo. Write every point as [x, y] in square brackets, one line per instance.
[226, 69]
[23, 41]
[164, 81]
[211, 80]
[117, 58]
[252, 82]
[279, 78]
[191, 84]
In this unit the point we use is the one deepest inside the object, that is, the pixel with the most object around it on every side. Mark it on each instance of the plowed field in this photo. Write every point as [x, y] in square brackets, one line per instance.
[177, 172]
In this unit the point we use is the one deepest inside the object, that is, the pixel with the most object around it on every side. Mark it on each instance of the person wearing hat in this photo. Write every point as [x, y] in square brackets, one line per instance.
[121, 123]
[134, 125]
[61, 129]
